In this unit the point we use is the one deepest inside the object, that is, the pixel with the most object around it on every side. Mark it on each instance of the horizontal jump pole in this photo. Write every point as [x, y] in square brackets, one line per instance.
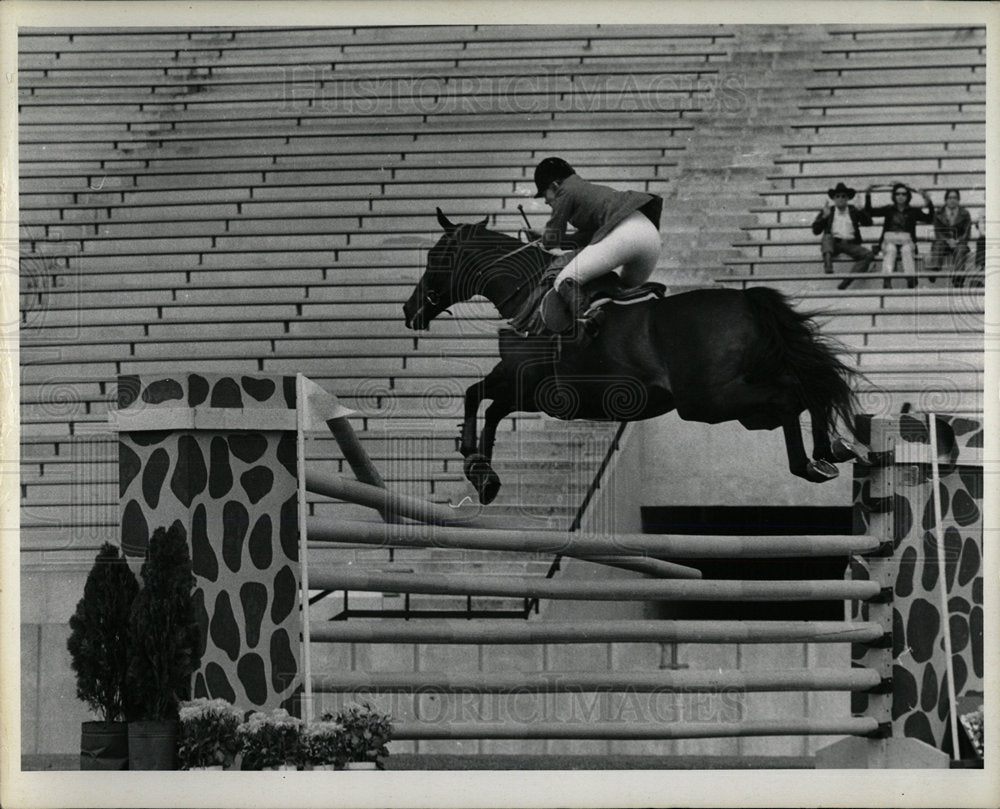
[853, 726]
[443, 630]
[549, 682]
[658, 568]
[651, 567]
[582, 545]
[423, 511]
[591, 589]
[385, 501]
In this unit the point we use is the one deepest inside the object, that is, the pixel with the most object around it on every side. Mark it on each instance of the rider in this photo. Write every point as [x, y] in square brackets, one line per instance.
[613, 229]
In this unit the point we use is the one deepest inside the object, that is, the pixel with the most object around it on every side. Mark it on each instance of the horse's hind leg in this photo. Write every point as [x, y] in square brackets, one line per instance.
[817, 470]
[836, 449]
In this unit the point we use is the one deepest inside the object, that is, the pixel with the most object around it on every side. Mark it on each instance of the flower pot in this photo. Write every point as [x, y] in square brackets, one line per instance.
[152, 745]
[203, 769]
[362, 765]
[324, 766]
[282, 767]
[104, 746]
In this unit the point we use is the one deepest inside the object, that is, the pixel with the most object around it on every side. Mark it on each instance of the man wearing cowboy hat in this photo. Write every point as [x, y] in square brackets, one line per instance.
[840, 225]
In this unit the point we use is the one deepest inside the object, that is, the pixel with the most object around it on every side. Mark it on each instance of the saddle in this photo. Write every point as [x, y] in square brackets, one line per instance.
[599, 293]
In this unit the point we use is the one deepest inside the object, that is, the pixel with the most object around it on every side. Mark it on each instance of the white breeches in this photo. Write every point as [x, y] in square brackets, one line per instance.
[634, 245]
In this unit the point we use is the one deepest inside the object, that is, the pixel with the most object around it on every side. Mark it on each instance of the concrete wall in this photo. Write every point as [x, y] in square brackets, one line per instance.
[685, 463]
[50, 711]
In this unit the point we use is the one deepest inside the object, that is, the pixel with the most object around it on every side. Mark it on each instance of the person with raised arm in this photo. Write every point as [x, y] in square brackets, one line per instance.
[899, 228]
[840, 224]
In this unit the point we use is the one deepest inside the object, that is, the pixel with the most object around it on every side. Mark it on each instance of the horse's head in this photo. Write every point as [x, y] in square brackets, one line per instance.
[441, 284]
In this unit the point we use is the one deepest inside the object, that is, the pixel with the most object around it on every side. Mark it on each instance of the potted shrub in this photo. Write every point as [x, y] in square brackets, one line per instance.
[271, 741]
[208, 737]
[322, 745]
[365, 734]
[163, 649]
[98, 648]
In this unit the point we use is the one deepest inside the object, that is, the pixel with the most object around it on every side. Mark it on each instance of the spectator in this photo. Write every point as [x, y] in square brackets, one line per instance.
[978, 277]
[899, 229]
[840, 226]
[952, 227]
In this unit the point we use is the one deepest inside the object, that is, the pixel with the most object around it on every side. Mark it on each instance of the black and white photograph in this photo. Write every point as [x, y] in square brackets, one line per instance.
[416, 404]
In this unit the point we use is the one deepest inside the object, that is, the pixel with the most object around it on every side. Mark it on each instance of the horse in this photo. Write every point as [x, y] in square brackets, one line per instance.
[711, 354]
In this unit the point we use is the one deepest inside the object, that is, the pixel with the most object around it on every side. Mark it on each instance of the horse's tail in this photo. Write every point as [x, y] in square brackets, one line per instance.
[789, 345]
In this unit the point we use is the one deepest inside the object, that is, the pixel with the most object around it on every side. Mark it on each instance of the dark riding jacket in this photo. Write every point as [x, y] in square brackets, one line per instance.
[594, 210]
[824, 221]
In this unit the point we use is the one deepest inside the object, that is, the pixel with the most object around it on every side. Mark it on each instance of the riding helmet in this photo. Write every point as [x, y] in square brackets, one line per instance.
[550, 170]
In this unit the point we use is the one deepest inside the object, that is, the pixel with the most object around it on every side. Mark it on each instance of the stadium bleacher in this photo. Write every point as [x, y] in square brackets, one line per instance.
[263, 201]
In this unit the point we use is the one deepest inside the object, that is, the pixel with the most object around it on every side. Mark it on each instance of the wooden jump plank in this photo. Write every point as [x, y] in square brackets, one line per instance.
[540, 587]
[634, 631]
[855, 726]
[631, 544]
[574, 682]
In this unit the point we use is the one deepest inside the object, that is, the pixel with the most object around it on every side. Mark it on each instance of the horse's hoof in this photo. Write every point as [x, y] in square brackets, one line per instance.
[473, 463]
[480, 474]
[842, 450]
[489, 490]
[820, 471]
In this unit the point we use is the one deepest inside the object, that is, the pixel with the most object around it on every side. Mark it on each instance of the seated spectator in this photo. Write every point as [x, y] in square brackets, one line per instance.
[952, 227]
[899, 228]
[841, 232]
[977, 278]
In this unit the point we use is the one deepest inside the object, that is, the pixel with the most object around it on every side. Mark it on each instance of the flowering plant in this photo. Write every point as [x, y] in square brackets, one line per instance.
[208, 733]
[366, 732]
[270, 740]
[972, 722]
[322, 744]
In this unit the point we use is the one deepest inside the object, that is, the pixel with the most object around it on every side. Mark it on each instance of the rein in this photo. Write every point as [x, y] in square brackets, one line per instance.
[529, 279]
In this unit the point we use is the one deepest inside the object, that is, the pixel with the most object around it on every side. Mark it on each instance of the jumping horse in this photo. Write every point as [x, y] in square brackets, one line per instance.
[712, 355]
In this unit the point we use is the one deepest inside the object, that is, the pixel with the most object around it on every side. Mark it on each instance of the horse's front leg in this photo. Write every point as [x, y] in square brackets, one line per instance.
[479, 467]
[473, 398]
[495, 413]
[817, 470]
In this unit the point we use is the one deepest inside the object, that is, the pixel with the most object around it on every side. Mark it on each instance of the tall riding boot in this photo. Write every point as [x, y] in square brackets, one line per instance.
[563, 311]
[571, 292]
[585, 327]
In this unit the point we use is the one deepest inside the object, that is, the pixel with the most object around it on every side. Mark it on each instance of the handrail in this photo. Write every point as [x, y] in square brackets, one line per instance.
[595, 484]
[532, 604]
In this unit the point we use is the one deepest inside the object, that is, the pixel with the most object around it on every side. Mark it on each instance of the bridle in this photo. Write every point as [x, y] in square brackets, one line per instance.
[432, 298]
[530, 278]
